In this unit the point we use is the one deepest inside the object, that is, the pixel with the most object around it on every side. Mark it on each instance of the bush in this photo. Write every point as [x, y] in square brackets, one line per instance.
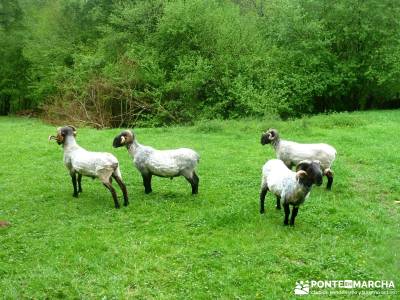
[159, 63]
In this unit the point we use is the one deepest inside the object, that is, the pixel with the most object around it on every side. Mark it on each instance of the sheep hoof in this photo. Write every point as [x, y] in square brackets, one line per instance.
[278, 207]
[75, 195]
[126, 203]
[148, 191]
[117, 206]
[262, 211]
[285, 223]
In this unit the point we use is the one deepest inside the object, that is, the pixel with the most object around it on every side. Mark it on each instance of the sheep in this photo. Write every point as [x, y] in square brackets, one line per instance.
[80, 162]
[162, 163]
[291, 153]
[290, 188]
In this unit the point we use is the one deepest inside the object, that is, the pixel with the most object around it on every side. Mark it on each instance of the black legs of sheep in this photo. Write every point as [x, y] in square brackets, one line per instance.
[73, 177]
[79, 183]
[262, 199]
[108, 184]
[194, 182]
[147, 183]
[278, 202]
[295, 210]
[329, 185]
[329, 174]
[263, 194]
[286, 207]
[79, 190]
[123, 189]
[121, 184]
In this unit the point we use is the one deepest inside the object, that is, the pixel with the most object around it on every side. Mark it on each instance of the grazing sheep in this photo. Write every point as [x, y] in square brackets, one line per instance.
[290, 188]
[291, 153]
[162, 163]
[92, 164]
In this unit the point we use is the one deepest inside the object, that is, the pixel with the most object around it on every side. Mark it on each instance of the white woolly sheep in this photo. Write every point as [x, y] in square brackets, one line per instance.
[92, 164]
[291, 153]
[290, 188]
[162, 163]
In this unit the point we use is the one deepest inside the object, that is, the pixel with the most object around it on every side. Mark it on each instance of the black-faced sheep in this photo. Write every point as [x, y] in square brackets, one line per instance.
[291, 153]
[162, 163]
[290, 188]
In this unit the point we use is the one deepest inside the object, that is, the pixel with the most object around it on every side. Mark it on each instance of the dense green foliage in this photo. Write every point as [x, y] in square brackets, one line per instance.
[215, 245]
[109, 62]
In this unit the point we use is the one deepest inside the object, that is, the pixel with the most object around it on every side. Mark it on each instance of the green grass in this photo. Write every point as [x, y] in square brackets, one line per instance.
[172, 245]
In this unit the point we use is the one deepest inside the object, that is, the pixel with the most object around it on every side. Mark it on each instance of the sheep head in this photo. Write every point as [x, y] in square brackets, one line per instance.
[270, 136]
[309, 172]
[125, 138]
[62, 133]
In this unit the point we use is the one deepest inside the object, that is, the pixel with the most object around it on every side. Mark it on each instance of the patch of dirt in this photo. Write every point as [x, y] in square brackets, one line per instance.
[4, 224]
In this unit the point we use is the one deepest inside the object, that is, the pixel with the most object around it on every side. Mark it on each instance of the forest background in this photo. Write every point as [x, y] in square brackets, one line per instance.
[110, 63]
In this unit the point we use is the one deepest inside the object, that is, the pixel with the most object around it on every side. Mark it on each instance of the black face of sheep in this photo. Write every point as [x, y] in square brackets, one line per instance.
[269, 136]
[126, 137]
[313, 172]
[62, 133]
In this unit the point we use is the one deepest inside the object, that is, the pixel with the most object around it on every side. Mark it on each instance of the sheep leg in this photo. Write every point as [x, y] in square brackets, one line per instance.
[329, 174]
[79, 183]
[147, 183]
[293, 216]
[108, 185]
[287, 213]
[73, 177]
[263, 193]
[123, 188]
[194, 182]
[278, 202]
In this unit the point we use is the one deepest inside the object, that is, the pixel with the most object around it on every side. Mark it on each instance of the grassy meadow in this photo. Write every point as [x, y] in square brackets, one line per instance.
[172, 245]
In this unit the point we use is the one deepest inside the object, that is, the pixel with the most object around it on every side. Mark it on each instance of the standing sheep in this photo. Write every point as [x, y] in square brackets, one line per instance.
[92, 164]
[291, 153]
[290, 188]
[162, 163]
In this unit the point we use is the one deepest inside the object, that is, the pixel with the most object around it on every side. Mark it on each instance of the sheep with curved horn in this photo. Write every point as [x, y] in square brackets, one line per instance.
[81, 162]
[291, 153]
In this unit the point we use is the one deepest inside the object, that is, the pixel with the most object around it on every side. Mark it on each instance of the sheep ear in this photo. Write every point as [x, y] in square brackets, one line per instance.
[303, 165]
[301, 174]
